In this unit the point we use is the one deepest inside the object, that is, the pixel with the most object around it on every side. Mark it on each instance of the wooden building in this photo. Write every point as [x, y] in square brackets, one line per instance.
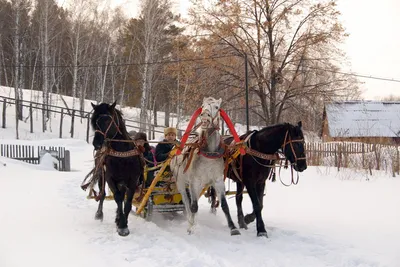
[376, 122]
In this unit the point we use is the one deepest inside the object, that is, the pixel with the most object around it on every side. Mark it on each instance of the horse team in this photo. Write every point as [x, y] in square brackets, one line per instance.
[119, 164]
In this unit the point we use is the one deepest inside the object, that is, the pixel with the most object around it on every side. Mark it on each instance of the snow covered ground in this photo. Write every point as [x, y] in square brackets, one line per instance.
[329, 219]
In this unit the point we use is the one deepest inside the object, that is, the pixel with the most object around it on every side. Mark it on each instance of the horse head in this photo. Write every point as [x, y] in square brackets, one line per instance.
[210, 113]
[106, 122]
[293, 147]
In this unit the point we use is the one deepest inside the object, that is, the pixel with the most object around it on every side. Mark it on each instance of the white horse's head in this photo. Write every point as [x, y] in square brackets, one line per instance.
[210, 112]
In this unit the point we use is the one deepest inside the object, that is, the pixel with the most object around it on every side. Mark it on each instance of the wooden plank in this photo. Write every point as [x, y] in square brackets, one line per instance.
[61, 121]
[4, 113]
[31, 117]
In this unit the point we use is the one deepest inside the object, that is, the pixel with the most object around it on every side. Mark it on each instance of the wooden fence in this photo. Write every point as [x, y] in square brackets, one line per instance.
[63, 111]
[32, 154]
[354, 155]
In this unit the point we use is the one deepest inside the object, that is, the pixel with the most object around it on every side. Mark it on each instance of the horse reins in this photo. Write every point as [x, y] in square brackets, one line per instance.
[256, 154]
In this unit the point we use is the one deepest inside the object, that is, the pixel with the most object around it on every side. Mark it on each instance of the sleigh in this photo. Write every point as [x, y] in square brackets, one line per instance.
[162, 195]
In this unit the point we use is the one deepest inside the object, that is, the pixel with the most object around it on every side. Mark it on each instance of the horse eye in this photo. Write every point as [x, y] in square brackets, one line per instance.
[216, 107]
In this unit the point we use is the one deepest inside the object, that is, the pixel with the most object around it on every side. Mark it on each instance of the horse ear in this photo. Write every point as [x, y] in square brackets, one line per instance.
[220, 101]
[113, 105]
[93, 105]
[299, 124]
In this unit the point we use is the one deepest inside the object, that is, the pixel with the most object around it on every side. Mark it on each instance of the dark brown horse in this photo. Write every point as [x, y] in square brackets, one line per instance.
[253, 169]
[117, 162]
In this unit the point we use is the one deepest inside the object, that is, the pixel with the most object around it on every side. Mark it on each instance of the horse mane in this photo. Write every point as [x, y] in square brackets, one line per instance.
[275, 126]
[122, 126]
[265, 129]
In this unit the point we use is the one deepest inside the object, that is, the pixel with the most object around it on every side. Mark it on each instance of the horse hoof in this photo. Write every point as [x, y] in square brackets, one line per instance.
[123, 231]
[98, 216]
[264, 234]
[249, 218]
[213, 211]
[235, 232]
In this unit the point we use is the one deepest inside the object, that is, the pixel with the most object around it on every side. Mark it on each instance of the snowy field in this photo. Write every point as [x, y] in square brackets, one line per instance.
[329, 219]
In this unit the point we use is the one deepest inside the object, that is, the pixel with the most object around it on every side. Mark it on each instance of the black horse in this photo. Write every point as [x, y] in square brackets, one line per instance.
[117, 162]
[253, 169]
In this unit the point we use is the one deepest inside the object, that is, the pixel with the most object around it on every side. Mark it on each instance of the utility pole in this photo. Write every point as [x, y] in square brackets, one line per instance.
[246, 81]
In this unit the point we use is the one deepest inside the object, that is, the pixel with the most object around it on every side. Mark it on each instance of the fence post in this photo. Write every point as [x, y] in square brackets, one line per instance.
[61, 121]
[72, 123]
[398, 161]
[4, 112]
[67, 161]
[31, 116]
[377, 156]
[43, 117]
[363, 155]
[339, 157]
[87, 128]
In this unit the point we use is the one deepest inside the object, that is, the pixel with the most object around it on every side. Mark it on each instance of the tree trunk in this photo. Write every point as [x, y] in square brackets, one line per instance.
[103, 84]
[167, 114]
[16, 69]
[45, 61]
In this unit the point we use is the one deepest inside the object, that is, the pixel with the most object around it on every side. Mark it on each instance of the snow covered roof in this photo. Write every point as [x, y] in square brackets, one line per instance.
[363, 118]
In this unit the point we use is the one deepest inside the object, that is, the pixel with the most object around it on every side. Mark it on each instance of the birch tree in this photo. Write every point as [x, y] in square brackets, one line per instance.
[79, 16]
[155, 15]
[20, 11]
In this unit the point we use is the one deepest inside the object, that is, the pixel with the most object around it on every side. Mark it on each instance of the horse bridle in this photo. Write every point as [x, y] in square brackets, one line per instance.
[113, 122]
[212, 130]
[215, 125]
[289, 141]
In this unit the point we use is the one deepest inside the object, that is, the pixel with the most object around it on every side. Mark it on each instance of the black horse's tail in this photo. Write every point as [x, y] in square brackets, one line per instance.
[95, 174]
[90, 179]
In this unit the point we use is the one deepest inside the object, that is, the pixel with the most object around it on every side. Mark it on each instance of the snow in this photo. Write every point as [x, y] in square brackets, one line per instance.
[330, 218]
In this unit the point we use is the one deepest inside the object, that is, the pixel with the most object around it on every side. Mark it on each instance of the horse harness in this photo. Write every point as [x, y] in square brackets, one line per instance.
[116, 123]
[273, 157]
[99, 159]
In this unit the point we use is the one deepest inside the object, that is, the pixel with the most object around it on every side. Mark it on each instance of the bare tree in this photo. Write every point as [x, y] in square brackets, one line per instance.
[155, 15]
[20, 10]
[79, 15]
[288, 43]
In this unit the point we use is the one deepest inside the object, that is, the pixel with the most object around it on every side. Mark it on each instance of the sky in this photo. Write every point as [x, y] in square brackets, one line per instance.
[371, 48]
[373, 44]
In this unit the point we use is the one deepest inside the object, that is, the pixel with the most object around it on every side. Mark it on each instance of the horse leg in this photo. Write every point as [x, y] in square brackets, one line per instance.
[99, 213]
[120, 219]
[128, 203]
[130, 192]
[220, 188]
[239, 199]
[181, 184]
[257, 210]
[194, 195]
[249, 218]
[214, 202]
[194, 190]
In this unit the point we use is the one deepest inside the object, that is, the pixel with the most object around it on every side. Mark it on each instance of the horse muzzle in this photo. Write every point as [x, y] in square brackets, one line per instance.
[205, 120]
[300, 167]
[98, 142]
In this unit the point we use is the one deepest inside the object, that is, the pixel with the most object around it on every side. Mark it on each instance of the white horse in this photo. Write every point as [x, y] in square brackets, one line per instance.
[206, 167]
